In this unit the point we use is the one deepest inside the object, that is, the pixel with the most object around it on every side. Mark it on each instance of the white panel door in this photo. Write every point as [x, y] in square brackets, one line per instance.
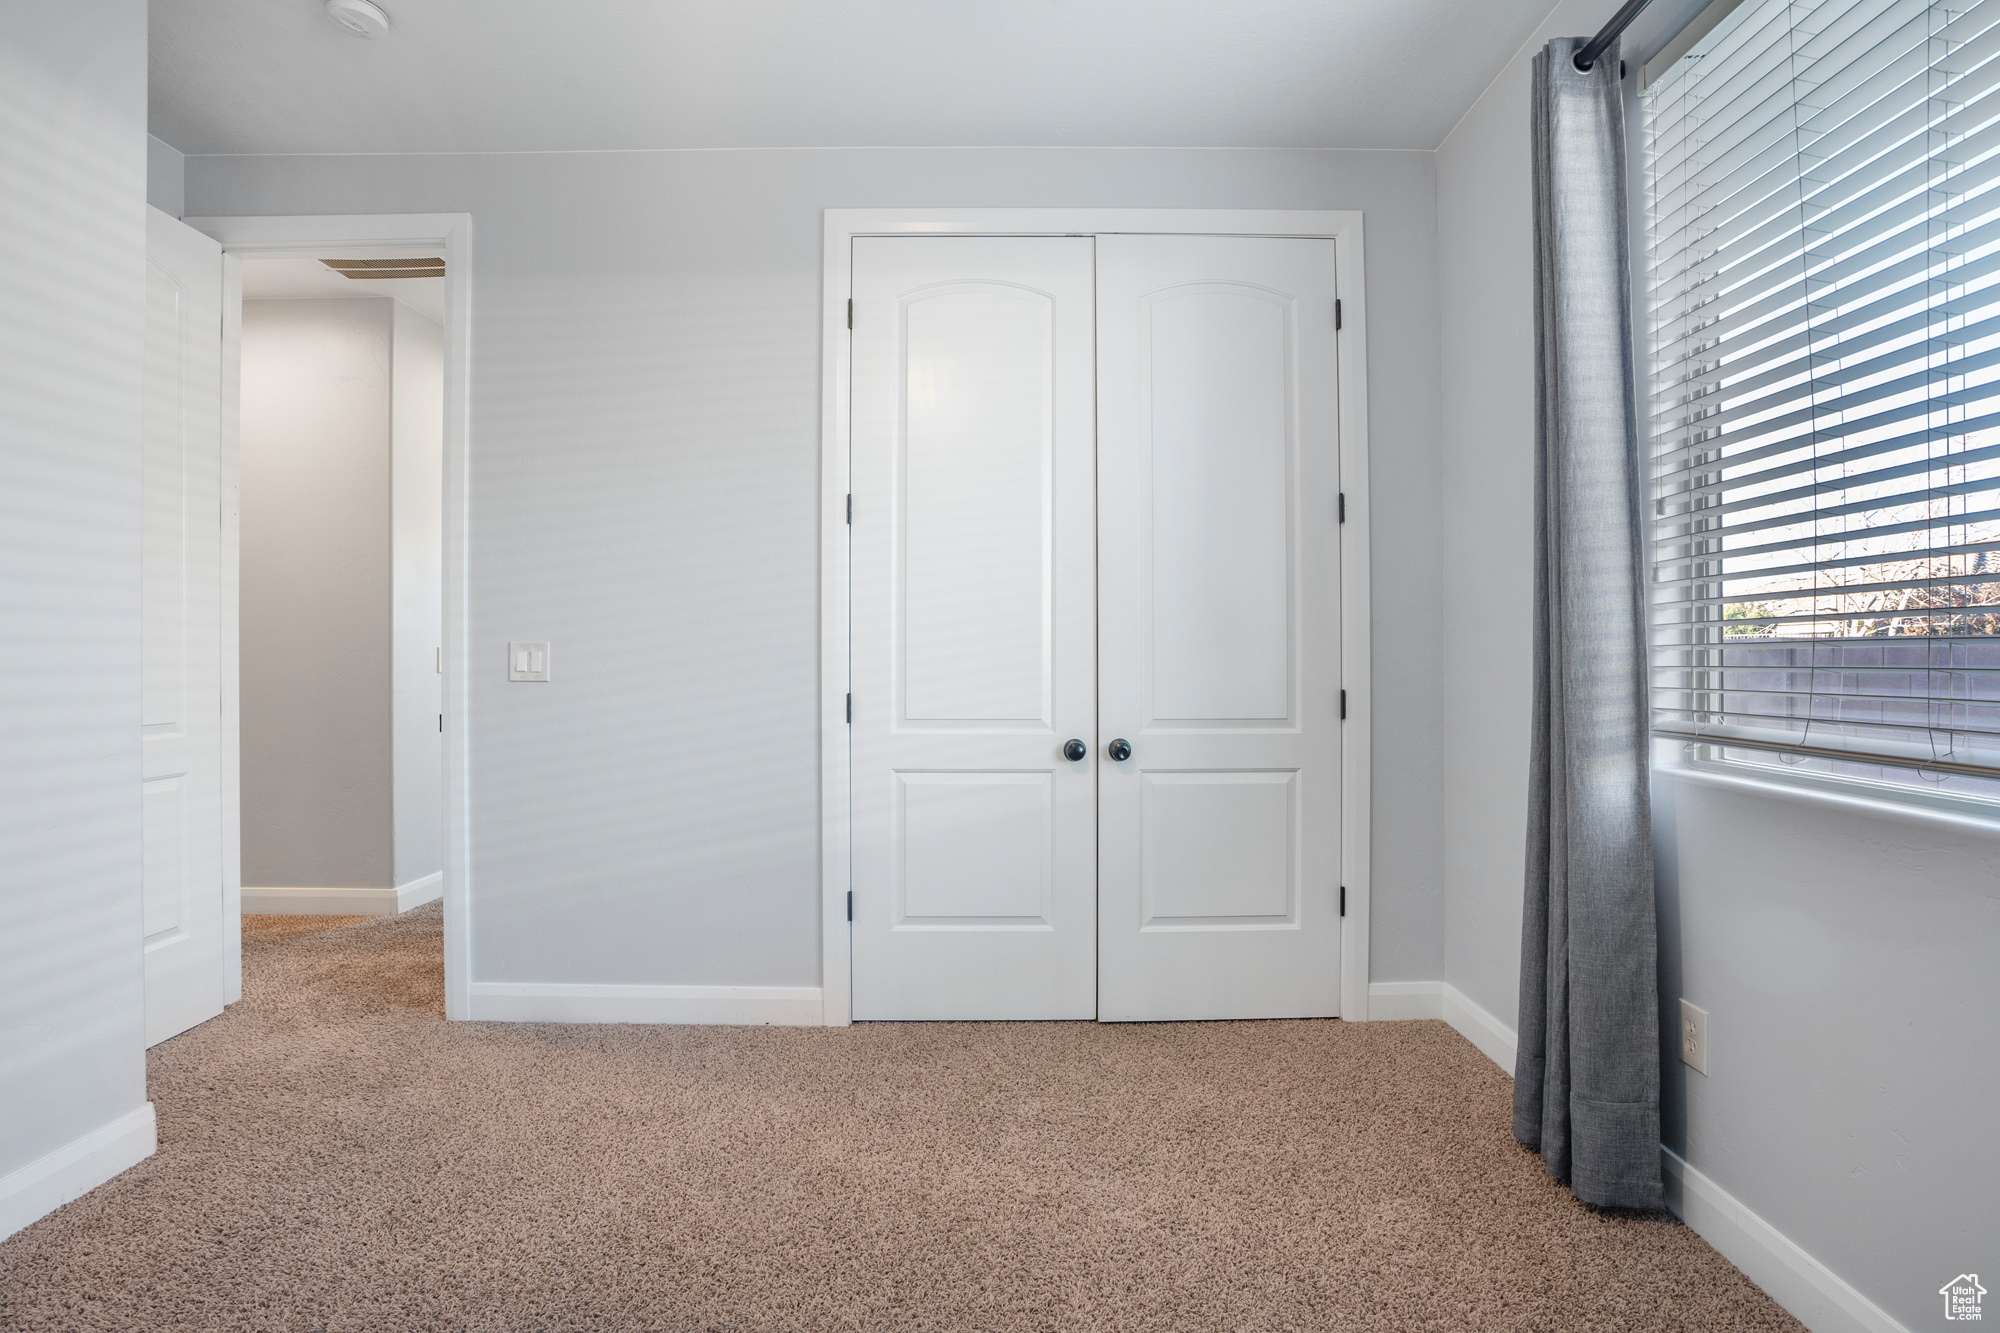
[1219, 615]
[973, 659]
[181, 731]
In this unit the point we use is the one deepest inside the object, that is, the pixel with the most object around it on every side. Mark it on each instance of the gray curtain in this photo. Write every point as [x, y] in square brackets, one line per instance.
[1587, 1079]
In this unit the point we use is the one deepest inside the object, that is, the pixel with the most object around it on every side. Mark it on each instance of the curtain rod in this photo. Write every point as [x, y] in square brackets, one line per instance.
[1606, 35]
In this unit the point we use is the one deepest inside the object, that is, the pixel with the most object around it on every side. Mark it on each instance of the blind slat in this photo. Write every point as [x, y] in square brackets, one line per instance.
[1735, 230]
[1760, 424]
[1807, 566]
[1889, 729]
[1899, 500]
[1849, 696]
[1761, 309]
[1724, 381]
[1686, 669]
[1809, 457]
[1739, 210]
[1854, 590]
[1874, 477]
[1926, 524]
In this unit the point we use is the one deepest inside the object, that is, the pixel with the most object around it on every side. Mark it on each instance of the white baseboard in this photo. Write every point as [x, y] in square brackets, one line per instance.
[564, 1002]
[344, 902]
[76, 1168]
[1813, 1293]
[420, 891]
[1480, 1028]
[319, 902]
[1807, 1288]
[1393, 1001]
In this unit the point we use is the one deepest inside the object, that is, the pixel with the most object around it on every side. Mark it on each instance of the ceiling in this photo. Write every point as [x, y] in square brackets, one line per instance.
[277, 76]
[283, 275]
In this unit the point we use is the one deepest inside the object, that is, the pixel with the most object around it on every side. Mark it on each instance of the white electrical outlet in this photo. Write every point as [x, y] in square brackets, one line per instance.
[528, 661]
[1694, 1037]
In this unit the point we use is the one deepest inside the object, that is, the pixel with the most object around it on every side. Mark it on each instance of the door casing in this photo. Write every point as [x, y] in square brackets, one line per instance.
[840, 227]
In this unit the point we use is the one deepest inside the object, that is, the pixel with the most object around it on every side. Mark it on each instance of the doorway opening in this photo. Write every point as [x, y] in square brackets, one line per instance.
[341, 440]
[331, 396]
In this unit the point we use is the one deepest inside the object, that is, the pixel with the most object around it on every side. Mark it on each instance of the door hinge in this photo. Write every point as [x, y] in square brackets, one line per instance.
[440, 721]
[850, 709]
[1336, 315]
[850, 904]
[1343, 901]
[850, 511]
[1343, 506]
[1343, 705]
[850, 311]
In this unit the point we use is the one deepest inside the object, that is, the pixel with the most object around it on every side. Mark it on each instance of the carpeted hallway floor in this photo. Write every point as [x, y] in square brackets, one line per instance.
[334, 1156]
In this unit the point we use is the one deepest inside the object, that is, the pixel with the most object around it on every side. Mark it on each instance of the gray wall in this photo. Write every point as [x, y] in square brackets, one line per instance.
[1844, 953]
[166, 177]
[416, 554]
[645, 422]
[343, 511]
[72, 356]
[315, 594]
[1485, 281]
[1846, 958]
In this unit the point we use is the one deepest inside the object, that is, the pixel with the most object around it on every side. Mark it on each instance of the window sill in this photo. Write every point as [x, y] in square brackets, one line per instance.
[1826, 797]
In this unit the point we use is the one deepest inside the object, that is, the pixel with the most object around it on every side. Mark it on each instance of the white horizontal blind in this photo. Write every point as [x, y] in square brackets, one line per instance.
[1824, 270]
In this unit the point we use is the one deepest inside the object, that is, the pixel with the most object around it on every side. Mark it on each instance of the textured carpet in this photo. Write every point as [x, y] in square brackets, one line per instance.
[334, 1156]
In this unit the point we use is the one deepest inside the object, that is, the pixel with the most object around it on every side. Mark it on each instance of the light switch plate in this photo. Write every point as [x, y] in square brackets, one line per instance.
[528, 661]
[1694, 1037]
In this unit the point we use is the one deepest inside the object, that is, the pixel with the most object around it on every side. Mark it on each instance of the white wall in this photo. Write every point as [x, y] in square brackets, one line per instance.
[644, 484]
[315, 594]
[72, 337]
[416, 552]
[1845, 955]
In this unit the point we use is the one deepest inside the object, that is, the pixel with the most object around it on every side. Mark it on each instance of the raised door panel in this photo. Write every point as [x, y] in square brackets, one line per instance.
[976, 504]
[164, 814]
[976, 850]
[973, 628]
[1216, 444]
[1218, 495]
[186, 932]
[170, 310]
[1218, 849]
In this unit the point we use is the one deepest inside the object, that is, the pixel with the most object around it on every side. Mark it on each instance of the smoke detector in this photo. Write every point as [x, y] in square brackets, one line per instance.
[358, 17]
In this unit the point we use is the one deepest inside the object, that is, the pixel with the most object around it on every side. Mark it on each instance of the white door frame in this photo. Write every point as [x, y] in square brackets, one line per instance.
[452, 233]
[841, 226]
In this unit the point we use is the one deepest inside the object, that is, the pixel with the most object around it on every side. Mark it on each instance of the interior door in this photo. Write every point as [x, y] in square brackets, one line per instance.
[181, 731]
[973, 655]
[1219, 614]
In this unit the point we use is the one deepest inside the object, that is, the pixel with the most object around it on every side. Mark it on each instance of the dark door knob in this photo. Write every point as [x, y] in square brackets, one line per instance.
[1120, 750]
[1075, 750]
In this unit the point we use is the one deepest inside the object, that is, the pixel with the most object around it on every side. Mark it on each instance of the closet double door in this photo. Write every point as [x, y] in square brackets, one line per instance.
[1094, 628]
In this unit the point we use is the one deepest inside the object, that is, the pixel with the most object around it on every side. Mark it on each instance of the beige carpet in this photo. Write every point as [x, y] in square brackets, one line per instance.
[334, 1156]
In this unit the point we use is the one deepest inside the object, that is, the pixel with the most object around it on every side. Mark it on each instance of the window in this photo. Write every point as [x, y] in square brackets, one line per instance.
[1824, 278]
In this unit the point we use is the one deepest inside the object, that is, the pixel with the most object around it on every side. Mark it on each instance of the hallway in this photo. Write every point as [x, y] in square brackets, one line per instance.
[334, 1156]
